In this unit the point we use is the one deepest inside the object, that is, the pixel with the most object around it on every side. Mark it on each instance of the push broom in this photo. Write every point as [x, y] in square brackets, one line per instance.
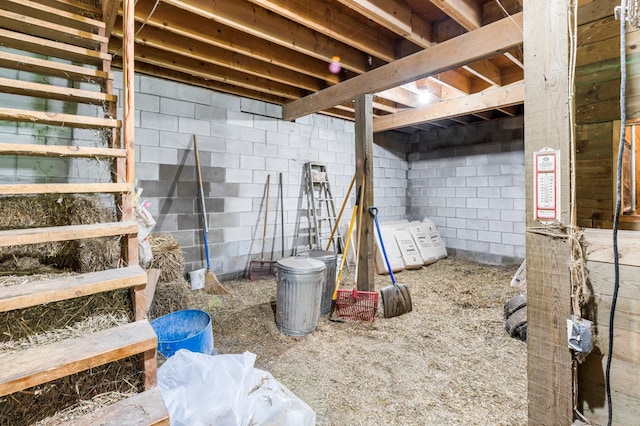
[211, 283]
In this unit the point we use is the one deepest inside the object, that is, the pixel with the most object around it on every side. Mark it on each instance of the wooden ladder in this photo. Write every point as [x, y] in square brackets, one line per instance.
[65, 41]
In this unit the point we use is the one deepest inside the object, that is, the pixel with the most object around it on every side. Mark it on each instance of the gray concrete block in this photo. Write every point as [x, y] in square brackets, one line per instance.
[454, 222]
[513, 215]
[491, 214]
[488, 192]
[501, 226]
[237, 118]
[166, 223]
[446, 172]
[488, 170]
[177, 206]
[240, 233]
[238, 176]
[502, 249]
[272, 110]
[456, 182]
[158, 155]
[512, 192]
[456, 202]
[265, 123]
[152, 120]
[490, 236]
[225, 130]
[232, 204]
[157, 86]
[466, 213]
[501, 203]
[253, 106]
[225, 101]
[230, 161]
[146, 102]
[467, 234]
[478, 246]
[191, 126]
[477, 160]
[500, 181]
[252, 162]
[175, 107]
[447, 192]
[478, 224]
[477, 181]
[236, 146]
[146, 137]
[198, 95]
[253, 134]
[477, 203]
[147, 171]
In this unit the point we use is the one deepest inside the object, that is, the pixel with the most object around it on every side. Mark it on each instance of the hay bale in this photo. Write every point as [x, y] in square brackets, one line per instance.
[60, 210]
[170, 297]
[168, 257]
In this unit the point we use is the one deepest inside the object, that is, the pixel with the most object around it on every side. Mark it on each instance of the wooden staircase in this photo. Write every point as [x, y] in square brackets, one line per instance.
[65, 40]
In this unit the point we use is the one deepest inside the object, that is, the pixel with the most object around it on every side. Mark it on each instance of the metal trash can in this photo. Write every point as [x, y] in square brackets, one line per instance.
[329, 259]
[298, 292]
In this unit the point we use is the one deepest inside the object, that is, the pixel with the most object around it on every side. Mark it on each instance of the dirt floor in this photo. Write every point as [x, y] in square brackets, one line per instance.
[448, 362]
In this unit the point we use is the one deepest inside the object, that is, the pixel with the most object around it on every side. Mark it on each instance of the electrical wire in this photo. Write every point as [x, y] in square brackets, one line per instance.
[616, 217]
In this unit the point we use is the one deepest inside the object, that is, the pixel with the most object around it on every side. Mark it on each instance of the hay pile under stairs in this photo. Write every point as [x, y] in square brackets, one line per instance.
[33, 33]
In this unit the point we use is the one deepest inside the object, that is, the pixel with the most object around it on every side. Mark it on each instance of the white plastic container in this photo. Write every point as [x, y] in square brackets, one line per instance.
[410, 254]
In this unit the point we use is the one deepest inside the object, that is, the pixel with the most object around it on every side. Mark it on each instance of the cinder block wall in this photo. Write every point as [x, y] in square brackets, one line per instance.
[470, 181]
[241, 142]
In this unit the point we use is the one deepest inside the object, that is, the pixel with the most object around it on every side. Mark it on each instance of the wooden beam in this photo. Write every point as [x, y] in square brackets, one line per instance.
[476, 45]
[262, 23]
[109, 14]
[364, 170]
[483, 101]
[395, 16]
[467, 13]
[549, 360]
[315, 14]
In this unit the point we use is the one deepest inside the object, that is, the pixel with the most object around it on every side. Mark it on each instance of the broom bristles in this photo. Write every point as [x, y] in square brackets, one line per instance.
[212, 285]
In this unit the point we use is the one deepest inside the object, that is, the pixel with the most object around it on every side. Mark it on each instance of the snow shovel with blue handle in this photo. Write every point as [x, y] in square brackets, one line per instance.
[396, 299]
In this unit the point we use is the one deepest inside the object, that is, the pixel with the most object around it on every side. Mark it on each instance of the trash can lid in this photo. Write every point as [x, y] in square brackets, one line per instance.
[318, 253]
[300, 263]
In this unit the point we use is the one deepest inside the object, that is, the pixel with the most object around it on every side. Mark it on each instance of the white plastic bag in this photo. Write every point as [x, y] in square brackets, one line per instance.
[201, 389]
[145, 225]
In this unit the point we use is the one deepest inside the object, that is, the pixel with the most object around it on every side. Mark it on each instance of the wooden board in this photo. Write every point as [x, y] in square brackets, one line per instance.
[53, 15]
[600, 246]
[549, 360]
[59, 151]
[41, 364]
[64, 188]
[52, 290]
[55, 119]
[47, 91]
[145, 408]
[52, 68]
[66, 233]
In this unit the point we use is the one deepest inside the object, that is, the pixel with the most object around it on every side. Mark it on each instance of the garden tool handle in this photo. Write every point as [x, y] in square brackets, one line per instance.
[373, 211]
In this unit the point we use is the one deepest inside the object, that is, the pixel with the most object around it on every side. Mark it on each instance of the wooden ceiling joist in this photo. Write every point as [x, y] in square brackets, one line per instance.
[476, 45]
[490, 99]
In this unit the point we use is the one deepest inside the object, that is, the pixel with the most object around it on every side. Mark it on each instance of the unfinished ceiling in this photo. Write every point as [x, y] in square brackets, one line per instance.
[438, 63]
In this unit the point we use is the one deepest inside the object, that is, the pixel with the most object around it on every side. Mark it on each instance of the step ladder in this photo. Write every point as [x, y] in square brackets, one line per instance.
[321, 211]
[58, 50]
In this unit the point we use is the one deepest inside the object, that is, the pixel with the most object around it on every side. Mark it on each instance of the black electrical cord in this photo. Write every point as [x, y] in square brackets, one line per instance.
[616, 216]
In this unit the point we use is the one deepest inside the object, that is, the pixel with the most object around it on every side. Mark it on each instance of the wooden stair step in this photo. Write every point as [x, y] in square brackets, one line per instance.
[47, 91]
[60, 151]
[13, 237]
[77, 7]
[52, 68]
[66, 120]
[145, 408]
[42, 364]
[29, 294]
[64, 188]
[42, 46]
[53, 15]
[47, 30]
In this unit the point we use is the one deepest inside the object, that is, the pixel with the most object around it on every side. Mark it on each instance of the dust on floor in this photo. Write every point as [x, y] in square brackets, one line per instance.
[448, 362]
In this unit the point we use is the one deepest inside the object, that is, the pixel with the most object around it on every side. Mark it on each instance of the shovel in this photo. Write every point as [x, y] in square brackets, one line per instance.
[396, 299]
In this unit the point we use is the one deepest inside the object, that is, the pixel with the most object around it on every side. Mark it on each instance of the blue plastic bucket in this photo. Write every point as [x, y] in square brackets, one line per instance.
[188, 329]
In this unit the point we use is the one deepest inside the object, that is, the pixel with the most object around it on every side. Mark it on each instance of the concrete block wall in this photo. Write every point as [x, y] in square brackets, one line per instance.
[241, 142]
[471, 182]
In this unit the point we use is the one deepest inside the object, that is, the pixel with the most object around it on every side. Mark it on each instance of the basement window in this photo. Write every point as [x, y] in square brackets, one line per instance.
[630, 170]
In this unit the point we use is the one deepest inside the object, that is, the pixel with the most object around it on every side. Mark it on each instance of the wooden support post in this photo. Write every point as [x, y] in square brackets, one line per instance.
[550, 389]
[364, 167]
